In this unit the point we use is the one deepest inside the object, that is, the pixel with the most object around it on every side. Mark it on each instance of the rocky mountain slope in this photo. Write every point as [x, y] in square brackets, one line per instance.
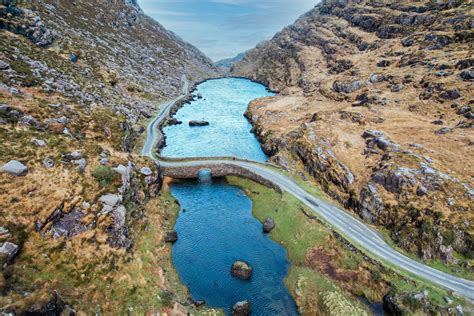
[82, 219]
[376, 102]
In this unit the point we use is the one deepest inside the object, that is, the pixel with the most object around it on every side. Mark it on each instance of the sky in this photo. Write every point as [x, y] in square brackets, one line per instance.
[225, 28]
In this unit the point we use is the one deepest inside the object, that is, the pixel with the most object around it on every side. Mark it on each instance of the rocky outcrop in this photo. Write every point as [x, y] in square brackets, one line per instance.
[198, 123]
[241, 270]
[241, 309]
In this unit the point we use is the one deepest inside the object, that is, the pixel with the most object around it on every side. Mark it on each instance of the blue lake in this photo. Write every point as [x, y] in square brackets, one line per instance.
[215, 225]
[228, 134]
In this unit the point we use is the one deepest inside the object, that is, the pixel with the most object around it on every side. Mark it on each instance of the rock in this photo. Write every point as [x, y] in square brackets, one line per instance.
[463, 110]
[396, 88]
[443, 131]
[199, 303]
[241, 270]
[465, 63]
[29, 120]
[199, 96]
[4, 65]
[451, 94]
[146, 171]
[198, 123]
[268, 225]
[421, 191]
[348, 87]
[171, 237]
[469, 115]
[39, 142]
[81, 164]
[15, 168]
[446, 254]
[448, 300]
[383, 63]
[124, 172]
[4, 233]
[9, 114]
[111, 199]
[372, 134]
[417, 146]
[174, 121]
[104, 161]
[72, 156]
[241, 308]
[459, 310]
[48, 163]
[69, 225]
[437, 122]
[8, 251]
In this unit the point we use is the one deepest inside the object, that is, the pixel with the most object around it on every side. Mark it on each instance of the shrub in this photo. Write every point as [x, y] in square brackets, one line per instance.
[105, 175]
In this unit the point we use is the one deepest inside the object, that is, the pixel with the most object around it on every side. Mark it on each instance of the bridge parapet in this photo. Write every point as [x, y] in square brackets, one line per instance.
[217, 171]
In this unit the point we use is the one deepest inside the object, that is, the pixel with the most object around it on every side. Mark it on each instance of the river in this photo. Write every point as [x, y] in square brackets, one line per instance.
[215, 225]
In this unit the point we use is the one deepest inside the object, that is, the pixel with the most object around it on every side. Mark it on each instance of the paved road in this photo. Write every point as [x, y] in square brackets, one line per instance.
[344, 223]
[153, 132]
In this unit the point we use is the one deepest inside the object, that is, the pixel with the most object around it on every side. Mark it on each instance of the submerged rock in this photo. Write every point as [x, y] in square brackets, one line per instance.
[241, 270]
[15, 168]
[268, 225]
[198, 123]
[241, 308]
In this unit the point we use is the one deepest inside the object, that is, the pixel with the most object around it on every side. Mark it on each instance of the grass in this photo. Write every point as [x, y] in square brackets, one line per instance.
[299, 234]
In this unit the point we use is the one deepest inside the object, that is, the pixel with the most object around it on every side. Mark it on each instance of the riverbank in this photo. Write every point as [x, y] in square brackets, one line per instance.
[326, 269]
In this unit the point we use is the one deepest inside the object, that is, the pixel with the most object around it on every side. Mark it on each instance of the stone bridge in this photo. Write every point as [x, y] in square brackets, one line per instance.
[218, 170]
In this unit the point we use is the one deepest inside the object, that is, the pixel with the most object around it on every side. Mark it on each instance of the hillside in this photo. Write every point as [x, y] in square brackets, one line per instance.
[376, 104]
[82, 221]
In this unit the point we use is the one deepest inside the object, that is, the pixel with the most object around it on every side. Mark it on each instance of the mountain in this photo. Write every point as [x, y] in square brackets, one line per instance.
[229, 62]
[80, 213]
[375, 102]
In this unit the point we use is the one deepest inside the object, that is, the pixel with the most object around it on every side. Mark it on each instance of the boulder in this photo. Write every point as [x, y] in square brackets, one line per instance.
[15, 168]
[268, 225]
[198, 123]
[241, 308]
[111, 199]
[146, 171]
[8, 251]
[241, 270]
[39, 142]
[171, 237]
[4, 65]
[72, 156]
[48, 163]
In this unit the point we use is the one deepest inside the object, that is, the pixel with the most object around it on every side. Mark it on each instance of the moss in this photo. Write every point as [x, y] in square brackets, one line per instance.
[105, 175]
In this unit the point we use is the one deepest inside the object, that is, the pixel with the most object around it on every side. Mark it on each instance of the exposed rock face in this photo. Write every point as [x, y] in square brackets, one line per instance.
[241, 270]
[8, 251]
[373, 56]
[241, 308]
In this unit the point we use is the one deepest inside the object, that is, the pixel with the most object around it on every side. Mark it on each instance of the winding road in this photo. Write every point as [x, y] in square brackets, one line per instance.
[361, 235]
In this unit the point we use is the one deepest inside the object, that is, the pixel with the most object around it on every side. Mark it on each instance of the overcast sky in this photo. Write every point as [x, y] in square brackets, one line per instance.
[224, 28]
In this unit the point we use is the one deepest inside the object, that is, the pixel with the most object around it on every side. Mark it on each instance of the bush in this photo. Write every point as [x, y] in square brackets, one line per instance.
[105, 175]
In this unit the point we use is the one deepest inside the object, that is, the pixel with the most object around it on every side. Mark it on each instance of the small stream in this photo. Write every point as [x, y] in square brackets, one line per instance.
[215, 225]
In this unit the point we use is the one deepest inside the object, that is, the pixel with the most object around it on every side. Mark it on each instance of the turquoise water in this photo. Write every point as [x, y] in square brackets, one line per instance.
[228, 134]
[215, 226]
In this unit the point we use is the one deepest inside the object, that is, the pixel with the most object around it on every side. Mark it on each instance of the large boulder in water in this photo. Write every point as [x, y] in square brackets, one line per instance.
[241, 270]
[198, 123]
[241, 308]
[268, 225]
